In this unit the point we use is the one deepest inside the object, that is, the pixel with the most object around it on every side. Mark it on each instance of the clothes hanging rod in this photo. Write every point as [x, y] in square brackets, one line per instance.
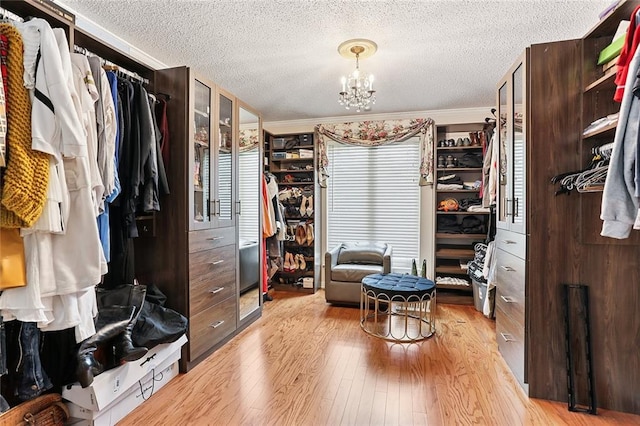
[110, 65]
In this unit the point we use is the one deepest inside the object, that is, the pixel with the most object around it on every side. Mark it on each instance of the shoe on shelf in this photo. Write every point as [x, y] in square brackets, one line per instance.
[302, 264]
[309, 232]
[284, 194]
[303, 204]
[309, 210]
[287, 264]
[301, 235]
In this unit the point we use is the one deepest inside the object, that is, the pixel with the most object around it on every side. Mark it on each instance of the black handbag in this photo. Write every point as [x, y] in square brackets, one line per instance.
[156, 323]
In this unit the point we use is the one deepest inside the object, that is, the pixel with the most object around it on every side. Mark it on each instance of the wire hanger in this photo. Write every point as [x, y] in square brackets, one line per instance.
[491, 119]
[6, 16]
[110, 66]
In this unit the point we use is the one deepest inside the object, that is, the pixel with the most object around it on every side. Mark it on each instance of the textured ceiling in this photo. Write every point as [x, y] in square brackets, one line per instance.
[281, 56]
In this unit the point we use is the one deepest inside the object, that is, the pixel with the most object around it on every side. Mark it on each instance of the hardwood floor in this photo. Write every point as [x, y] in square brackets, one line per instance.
[308, 363]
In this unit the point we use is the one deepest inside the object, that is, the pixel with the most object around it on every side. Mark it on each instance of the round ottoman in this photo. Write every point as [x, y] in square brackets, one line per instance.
[398, 307]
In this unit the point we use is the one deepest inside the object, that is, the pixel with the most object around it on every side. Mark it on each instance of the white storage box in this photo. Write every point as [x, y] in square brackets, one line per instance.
[125, 403]
[115, 393]
[305, 153]
[307, 282]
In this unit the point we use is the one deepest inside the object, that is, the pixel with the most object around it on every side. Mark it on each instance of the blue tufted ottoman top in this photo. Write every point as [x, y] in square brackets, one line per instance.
[398, 284]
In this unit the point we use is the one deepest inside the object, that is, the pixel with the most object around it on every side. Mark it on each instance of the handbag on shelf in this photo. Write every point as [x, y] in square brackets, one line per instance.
[12, 261]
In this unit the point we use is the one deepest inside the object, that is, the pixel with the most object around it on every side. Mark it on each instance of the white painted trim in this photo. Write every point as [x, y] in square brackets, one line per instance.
[441, 117]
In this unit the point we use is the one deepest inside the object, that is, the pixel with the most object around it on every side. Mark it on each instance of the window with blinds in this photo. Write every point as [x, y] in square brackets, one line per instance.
[249, 195]
[373, 195]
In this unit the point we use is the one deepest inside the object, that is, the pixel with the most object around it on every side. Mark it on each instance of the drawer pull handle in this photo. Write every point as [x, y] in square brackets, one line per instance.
[506, 299]
[507, 337]
[217, 324]
[216, 290]
[507, 268]
[508, 242]
[217, 262]
[214, 238]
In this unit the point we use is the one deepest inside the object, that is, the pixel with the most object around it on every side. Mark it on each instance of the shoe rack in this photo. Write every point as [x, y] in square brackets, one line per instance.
[291, 158]
[455, 146]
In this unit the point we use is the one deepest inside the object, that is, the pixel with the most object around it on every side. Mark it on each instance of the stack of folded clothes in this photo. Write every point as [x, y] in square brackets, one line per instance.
[449, 182]
[448, 225]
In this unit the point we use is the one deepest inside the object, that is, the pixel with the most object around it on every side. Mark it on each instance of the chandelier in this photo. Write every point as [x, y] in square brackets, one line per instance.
[357, 88]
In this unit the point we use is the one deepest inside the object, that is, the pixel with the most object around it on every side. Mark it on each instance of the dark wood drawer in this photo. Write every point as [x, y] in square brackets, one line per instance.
[510, 338]
[512, 242]
[209, 327]
[211, 238]
[510, 287]
[212, 277]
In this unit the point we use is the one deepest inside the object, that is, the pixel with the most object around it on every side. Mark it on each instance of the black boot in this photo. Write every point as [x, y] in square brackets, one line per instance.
[127, 295]
[111, 321]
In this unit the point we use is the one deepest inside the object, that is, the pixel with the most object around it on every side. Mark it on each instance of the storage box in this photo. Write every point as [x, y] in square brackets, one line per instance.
[614, 49]
[305, 153]
[127, 402]
[111, 392]
[307, 282]
[611, 51]
[279, 155]
[306, 139]
[278, 143]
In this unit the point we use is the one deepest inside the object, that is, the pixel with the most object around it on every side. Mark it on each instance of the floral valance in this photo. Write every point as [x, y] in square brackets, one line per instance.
[376, 133]
[249, 139]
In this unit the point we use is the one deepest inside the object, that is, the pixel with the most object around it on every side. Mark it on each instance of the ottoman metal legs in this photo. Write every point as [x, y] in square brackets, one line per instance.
[400, 318]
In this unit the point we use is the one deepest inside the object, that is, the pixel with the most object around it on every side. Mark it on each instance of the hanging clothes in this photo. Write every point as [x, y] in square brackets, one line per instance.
[163, 124]
[631, 42]
[163, 183]
[107, 128]
[268, 215]
[79, 263]
[149, 193]
[3, 123]
[619, 208]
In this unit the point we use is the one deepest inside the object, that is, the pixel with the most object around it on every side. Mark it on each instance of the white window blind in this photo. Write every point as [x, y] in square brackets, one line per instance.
[249, 193]
[373, 195]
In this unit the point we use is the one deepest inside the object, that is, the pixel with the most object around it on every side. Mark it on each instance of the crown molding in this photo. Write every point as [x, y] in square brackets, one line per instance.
[441, 117]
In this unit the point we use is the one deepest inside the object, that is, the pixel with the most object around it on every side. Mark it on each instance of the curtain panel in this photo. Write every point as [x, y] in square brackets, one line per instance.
[376, 133]
[248, 139]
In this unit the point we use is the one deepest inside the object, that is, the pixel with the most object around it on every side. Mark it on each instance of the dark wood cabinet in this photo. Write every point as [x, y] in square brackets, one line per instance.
[558, 241]
[538, 132]
[196, 249]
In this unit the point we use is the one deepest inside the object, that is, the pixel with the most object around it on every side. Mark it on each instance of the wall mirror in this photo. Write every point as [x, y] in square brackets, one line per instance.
[248, 209]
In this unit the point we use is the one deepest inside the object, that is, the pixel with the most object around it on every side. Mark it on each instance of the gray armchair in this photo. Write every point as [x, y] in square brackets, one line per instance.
[346, 265]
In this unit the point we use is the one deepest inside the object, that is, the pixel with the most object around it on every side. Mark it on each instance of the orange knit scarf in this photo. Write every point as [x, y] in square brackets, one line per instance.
[24, 190]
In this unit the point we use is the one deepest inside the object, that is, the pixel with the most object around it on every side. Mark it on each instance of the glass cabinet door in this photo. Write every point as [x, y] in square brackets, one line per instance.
[225, 161]
[512, 100]
[203, 206]
[501, 201]
[519, 151]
